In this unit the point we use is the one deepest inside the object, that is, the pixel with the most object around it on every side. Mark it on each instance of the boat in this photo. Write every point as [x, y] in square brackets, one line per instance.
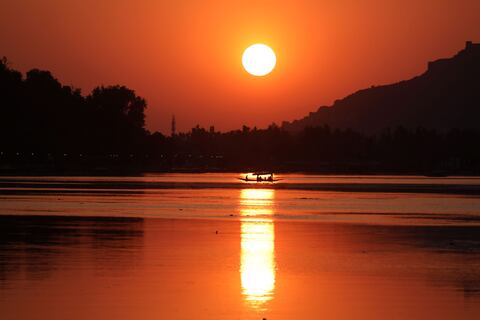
[257, 177]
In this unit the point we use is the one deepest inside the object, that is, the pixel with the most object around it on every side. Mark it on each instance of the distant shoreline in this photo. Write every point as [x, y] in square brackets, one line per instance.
[137, 172]
[13, 185]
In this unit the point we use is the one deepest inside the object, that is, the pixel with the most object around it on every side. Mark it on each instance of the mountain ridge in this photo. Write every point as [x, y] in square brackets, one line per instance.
[446, 96]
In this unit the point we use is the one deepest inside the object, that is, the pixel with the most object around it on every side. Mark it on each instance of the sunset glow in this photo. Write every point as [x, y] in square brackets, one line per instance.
[239, 159]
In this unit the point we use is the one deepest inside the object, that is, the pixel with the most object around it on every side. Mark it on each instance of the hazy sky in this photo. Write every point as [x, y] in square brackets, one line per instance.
[184, 56]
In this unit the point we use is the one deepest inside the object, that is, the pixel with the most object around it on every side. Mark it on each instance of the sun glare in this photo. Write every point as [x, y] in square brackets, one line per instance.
[259, 60]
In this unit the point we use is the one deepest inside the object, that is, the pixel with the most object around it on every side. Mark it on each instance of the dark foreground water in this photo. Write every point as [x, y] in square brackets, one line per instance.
[209, 247]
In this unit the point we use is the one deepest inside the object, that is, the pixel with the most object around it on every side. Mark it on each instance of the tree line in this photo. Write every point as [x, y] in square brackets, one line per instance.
[45, 124]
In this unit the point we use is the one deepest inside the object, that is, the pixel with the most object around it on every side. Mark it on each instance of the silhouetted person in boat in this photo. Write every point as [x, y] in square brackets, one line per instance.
[259, 178]
[246, 177]
[270, 178]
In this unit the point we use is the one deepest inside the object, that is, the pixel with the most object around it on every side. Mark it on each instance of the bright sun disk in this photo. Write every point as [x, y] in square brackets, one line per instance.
[259, 59]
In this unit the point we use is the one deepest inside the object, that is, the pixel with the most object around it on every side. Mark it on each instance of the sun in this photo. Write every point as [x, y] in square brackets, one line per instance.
[259, 59]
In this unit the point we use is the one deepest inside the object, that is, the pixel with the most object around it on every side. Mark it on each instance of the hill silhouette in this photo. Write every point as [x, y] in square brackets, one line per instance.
[446, 96]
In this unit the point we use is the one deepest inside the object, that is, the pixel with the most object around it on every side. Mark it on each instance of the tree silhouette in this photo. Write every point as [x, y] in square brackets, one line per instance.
[118, 117]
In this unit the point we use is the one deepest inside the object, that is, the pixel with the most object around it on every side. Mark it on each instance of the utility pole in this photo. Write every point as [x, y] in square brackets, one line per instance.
[174, 126]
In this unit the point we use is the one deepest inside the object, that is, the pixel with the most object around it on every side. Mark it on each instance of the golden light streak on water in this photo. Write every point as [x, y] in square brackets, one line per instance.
[257, 266]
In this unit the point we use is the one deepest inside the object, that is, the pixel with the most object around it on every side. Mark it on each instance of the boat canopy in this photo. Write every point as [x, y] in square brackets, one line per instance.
[262, 173]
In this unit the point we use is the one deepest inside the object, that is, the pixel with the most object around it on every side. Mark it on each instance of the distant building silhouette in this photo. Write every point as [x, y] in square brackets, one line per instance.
[471, 45]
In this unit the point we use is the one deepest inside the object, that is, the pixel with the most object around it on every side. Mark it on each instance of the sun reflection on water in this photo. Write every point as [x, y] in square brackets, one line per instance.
[257, 266]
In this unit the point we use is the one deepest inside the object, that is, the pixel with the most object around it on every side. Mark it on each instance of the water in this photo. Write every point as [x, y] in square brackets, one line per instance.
[208, 246]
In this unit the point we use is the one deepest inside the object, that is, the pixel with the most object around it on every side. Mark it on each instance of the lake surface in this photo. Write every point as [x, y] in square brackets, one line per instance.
[209, 246]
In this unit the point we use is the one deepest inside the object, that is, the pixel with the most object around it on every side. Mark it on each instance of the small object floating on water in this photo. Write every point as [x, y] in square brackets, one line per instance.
[259, 177]
[216, 231]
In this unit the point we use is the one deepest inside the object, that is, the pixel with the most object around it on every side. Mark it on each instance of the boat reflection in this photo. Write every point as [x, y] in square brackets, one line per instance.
[257, 265]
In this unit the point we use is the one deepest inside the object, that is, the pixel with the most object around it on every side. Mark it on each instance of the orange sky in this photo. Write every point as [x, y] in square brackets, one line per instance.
[184, 56]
